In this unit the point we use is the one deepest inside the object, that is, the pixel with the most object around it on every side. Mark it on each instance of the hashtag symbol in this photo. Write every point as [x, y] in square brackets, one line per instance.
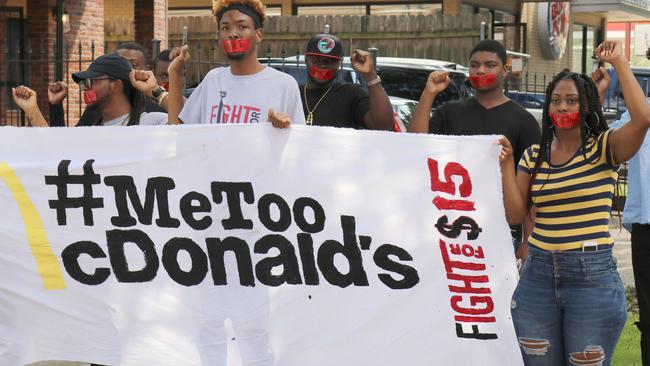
[87, 201]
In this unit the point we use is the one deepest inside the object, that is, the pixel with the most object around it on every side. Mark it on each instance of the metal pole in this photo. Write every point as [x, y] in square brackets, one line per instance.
[483, 27]
[59, 40]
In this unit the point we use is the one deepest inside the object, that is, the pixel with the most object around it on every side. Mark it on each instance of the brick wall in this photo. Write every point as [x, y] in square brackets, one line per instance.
[160, 22]
[2, 69]
[150, 22]
[41, 35]
[86, 26]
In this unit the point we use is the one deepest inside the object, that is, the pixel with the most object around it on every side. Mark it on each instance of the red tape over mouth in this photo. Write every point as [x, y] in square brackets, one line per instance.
[482, 81]
[565, 120]
[236, 45]
[90, 96]
[321, 74]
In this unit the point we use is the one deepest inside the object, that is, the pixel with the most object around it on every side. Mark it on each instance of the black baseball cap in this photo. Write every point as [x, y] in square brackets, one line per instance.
[325, 45]
[111, 64]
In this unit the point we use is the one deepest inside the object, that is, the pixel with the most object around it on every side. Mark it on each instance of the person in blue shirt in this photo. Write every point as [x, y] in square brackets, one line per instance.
[636, 219]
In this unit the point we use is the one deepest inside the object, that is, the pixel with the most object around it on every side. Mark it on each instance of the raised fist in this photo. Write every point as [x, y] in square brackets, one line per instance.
[57, 92]
[437, 82]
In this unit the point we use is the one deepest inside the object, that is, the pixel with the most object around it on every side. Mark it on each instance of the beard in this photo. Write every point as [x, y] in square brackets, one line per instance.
[102, 101]
[236, 56]
[321, 82]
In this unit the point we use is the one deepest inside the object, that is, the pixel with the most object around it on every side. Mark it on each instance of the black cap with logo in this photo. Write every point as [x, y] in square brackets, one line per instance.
[112, 65]
[325, 45]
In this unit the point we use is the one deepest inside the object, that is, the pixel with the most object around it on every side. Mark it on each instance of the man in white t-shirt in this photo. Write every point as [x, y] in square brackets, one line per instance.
[244, 92]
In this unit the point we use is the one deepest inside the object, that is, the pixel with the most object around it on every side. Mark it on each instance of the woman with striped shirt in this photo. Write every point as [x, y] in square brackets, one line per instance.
[569, 307]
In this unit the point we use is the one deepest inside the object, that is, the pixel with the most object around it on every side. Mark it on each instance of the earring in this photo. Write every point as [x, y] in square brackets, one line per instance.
[597, 118]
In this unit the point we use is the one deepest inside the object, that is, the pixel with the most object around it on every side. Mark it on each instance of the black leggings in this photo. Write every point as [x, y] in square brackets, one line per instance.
[641, 268]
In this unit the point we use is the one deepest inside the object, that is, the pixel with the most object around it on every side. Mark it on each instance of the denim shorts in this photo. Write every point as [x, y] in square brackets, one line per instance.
[569, 308]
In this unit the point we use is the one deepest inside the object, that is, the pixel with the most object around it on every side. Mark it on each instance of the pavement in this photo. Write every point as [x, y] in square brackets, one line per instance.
[622, 253]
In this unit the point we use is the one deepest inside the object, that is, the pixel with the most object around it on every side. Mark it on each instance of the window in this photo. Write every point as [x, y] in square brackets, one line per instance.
[584, 43]
[414, 9]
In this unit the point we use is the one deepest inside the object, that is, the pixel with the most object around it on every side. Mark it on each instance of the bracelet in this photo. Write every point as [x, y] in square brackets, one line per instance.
[162, 97]
[374, 81]
[157, 93]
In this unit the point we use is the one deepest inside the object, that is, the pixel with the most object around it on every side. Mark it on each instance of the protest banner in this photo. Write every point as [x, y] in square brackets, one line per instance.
[249, 245]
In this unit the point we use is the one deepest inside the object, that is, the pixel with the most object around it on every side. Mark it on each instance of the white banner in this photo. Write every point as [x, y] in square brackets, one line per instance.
[249, 245]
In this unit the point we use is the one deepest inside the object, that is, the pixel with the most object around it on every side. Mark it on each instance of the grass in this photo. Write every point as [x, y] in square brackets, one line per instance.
[628, 352]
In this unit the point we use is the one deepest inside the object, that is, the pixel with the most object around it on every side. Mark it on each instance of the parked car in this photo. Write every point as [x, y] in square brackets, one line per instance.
[401, 77]
[528, 100]
[403, 110]
[614, 102]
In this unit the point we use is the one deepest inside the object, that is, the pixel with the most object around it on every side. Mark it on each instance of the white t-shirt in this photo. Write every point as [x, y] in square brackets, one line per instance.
[226, 98]
[146, 119]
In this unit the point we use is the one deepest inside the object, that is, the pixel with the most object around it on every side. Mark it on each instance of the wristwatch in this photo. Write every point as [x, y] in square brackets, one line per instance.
[157, 93]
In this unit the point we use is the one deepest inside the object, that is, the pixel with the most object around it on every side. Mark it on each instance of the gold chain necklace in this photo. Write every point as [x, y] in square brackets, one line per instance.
[310, 113]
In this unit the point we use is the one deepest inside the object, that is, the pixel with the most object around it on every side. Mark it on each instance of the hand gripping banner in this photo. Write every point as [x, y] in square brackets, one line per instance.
[250, 245]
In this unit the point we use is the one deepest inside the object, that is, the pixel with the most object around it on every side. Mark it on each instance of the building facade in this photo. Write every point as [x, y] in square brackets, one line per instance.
[28, 44]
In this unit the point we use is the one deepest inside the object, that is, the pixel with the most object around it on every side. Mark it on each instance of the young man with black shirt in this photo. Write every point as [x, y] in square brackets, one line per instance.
[160, 66]
[327, 102]
[488, 112]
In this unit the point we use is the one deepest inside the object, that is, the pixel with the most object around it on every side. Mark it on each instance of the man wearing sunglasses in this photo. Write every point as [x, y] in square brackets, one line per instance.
[57, 92]
[106, 86]
[327, 102]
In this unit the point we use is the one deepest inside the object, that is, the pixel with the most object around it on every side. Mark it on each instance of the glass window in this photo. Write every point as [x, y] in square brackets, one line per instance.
[412, 9]
[639, 46]
[580, 53]
[577, 49]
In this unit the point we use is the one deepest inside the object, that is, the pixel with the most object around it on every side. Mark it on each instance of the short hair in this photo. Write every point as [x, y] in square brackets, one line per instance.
[132, 46]
[255, 5]
[162, 56]
[490, 45]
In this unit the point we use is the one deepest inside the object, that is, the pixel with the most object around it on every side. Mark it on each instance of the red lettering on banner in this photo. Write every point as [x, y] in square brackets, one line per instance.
[467, 282]
[473, 300]
[467, 250]
[450, 265]
[475, 319]
[464, 267]
[448, 186]
[458, 205]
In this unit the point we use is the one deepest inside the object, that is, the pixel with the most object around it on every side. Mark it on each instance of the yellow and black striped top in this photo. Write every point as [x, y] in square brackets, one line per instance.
[573, 199]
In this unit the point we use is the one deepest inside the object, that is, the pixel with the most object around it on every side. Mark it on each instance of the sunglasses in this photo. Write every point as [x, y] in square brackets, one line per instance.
[323, 60]
[87, 84]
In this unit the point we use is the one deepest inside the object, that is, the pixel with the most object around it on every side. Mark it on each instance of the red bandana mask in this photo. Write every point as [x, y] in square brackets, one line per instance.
[321, 74]
[482, 81]
[90, 96]
[236, 45]
[565, 120]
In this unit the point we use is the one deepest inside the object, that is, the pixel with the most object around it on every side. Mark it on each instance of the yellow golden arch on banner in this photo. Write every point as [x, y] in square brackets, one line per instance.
[46, 262]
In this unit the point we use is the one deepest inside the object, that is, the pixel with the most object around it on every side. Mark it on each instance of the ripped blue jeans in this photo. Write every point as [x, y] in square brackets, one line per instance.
[569, 308]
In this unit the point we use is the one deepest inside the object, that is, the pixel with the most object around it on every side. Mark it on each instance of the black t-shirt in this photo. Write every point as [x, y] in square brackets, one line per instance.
[344, 106]
[469, 117]
[92, 115]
